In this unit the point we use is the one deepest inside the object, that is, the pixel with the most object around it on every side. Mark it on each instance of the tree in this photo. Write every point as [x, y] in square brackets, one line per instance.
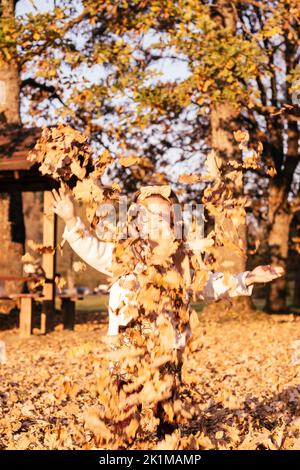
[274, 116]
[230, 55]
[144, 120]
[12, 210]
[224, 120]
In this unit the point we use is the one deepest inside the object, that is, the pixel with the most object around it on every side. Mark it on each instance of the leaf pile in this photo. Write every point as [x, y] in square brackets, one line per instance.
[241, 376]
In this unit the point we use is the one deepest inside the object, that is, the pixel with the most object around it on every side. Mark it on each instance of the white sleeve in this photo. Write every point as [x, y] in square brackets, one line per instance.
[94, 252]
[215, 287]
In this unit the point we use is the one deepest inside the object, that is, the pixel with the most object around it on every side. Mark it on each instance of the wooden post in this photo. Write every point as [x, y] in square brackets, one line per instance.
[26, 311]
[49, 264]
[68, 309]
[47, 316]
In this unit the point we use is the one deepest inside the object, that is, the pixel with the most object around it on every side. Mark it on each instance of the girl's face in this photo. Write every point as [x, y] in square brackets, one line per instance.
[154, 218]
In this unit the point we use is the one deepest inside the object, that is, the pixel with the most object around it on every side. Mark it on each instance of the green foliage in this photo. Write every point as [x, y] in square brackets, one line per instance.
[100, 56]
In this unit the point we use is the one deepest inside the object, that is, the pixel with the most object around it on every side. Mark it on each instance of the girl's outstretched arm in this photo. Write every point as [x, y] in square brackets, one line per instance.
[218, 285]
[242, 283]
[94, 252]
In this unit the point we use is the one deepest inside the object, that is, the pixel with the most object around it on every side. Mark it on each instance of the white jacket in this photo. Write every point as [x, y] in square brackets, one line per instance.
[99, 255]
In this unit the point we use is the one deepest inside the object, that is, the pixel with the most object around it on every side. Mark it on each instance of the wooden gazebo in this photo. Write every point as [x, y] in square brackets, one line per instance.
[17, 174]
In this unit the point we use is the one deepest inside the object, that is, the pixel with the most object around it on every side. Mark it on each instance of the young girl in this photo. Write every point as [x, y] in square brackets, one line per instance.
[149, 308]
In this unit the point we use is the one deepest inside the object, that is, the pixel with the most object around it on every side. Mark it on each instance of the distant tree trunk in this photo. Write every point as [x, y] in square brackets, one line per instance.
[10, 90]
[296, 297]
[224, 121]
[278, 245]
[280, 211]
[279, 219]
[10, 116]
[9, 76]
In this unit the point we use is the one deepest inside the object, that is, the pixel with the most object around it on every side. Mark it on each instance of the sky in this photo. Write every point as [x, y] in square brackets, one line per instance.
[169, 69]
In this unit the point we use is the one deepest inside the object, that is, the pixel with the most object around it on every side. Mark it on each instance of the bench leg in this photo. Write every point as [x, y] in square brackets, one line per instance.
[25, 323]
[47, 316]
[68, 309]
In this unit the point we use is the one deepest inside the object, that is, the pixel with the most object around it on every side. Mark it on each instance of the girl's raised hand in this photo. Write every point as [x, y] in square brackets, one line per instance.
[63, 205]
[265, 273]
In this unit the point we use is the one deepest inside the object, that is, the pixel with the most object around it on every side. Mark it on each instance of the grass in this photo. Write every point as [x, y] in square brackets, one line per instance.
[90, 303]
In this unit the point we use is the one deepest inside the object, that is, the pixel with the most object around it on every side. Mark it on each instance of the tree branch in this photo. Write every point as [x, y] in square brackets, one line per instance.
[43, 87]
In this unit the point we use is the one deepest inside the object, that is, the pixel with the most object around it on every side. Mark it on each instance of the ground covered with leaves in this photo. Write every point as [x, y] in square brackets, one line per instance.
[243, 376]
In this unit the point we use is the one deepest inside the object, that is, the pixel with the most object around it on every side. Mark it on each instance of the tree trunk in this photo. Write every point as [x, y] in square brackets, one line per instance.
[233, 228]
[296, 297]
[280, 216]
[9, 76]
[224, 121]
[278, 245]
[11, 204]
[10, 94]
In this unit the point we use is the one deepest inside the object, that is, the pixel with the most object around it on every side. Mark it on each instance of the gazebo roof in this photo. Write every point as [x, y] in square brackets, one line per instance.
[16, 172]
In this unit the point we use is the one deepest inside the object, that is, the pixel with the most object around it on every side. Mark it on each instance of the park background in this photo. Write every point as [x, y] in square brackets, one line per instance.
[160, 83]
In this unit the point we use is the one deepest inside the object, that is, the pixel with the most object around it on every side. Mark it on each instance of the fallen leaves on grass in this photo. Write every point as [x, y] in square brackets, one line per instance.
[241, 377]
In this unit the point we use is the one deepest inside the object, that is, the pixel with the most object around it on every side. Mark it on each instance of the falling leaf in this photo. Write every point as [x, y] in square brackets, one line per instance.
[128, 161]
[79, 266]
[189, 179]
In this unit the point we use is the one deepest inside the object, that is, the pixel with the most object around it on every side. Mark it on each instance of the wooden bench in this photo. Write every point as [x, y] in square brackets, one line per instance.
[26, 303]
[68, 303]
